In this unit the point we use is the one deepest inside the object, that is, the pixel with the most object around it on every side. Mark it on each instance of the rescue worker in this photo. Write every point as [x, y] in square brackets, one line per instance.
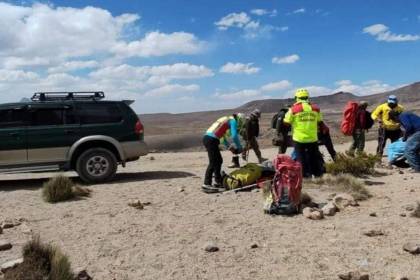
[219, 132]
[388, 128]
[304, 118]
[250, 133]
[359, 131]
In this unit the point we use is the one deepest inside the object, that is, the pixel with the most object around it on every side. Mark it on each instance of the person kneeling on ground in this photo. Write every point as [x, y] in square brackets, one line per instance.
[410, 123]
[304, 118]
[220, 131]
[249, 133]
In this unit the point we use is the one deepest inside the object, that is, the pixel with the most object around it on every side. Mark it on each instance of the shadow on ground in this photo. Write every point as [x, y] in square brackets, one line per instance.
[124, 177]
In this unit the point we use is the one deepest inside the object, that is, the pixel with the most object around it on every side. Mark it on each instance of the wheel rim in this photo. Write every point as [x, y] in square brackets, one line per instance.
[97, 166]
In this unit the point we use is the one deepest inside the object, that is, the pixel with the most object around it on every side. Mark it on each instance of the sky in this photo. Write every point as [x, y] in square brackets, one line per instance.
[192, 55]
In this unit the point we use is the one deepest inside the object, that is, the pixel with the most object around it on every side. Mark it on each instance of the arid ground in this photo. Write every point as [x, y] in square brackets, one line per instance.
[166, 239]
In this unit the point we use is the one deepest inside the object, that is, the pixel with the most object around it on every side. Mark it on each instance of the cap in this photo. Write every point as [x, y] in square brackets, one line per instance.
[256, 113]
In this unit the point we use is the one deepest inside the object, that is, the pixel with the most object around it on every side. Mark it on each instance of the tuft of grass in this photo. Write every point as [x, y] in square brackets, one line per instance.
[61, 188]
[341, 183]
[361, 164]
[41, 261]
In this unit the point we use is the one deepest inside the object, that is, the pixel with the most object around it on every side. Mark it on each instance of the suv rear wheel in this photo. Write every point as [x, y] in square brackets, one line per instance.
[96, 165]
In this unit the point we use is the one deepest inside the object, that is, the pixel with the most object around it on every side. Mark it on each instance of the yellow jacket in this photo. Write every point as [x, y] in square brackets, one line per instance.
[304, 118]
[382, 113]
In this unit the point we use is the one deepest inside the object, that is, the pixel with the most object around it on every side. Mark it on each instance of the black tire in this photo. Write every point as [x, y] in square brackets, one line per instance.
[96, 165]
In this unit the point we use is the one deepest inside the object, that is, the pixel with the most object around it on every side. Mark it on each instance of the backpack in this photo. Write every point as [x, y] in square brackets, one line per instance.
[369, 121]
[277, 119]
[349, 118]
[283, 195]
[244, 176]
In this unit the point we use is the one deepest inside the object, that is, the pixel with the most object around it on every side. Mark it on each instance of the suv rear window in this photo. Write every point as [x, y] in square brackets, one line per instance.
[11, 118]
[97, 113]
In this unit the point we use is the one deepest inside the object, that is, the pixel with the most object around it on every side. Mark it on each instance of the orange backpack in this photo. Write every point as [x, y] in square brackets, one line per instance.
[349, 118]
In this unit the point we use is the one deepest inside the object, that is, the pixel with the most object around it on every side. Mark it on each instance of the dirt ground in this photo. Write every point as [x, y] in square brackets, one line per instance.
[166, 240]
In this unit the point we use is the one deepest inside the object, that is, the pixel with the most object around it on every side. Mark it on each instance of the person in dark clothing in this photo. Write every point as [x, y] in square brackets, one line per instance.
[358, 143]
[249, 134]
[282, 131]
[410, 123]
[324, 138]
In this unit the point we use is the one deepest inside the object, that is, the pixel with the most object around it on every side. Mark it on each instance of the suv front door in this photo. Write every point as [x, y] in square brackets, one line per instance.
[51, 131]
[12, 136]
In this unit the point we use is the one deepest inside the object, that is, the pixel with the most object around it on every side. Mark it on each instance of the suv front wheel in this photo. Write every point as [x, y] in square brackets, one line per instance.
[96, 165]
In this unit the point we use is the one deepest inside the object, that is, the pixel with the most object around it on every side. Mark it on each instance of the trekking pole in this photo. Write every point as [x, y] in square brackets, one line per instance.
[246, 187]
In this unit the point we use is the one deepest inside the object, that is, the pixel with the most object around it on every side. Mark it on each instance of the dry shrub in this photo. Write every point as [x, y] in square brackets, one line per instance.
[361, 164]
[61, 188]
[341, 183]
[41, 261]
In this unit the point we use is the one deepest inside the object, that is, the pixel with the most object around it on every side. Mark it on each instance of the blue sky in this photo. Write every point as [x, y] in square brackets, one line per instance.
[179, 55]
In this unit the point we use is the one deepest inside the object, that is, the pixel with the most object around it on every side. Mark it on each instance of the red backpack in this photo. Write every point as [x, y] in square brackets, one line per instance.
[286, 186]
[349, 118]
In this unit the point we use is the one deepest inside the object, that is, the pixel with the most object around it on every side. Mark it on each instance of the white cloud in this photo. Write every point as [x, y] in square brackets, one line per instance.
[284, 28]
[366, 88]
[17, 75]
[286, 59]
[74, 65]
[381, 32]
[56, 33]
[299, 11]
[160, 44]
[238, 68]
[239, 95]
[172, 89]
[252, 28]
[233, 20]
[276, 86]
[263, 12]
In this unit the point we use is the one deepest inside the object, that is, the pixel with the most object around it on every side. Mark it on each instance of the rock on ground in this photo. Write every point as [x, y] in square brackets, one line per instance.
[313, 213]
[329, 209]
[412, 248]
[344, 200]
[354, 275]
[374, 232]
[211, 247]
[5, 245]
[10, 264]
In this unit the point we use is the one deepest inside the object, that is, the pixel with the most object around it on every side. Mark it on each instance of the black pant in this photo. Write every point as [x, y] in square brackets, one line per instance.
[215, 160]
[325, 139]
[311, 159]
[383, 135]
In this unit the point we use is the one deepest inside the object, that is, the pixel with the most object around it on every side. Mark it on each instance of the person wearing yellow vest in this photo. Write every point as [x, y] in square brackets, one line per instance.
[221, 131]
[388, 128]
[304, 118]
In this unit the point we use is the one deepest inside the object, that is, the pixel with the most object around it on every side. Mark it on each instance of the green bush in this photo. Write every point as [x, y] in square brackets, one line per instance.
[341, 183]
[41, 261]
[61, 188]
[362, 164]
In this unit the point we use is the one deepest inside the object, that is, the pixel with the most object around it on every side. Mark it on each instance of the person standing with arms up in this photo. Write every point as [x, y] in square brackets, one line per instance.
[388, 128]
[305, 118]
[219, 132]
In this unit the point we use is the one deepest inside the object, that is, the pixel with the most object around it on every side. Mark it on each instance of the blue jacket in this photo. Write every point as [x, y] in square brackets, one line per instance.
[410, 122]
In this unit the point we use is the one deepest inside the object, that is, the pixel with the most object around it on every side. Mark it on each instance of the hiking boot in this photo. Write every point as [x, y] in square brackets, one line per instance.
[209, 189]
[235, 163]
[261, 160]
[219, 186]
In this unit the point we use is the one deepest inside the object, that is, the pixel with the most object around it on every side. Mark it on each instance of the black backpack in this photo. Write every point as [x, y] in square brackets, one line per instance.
[369, 120]
[277, 119]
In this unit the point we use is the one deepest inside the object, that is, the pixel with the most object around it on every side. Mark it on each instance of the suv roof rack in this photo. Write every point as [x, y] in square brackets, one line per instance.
[68, 95]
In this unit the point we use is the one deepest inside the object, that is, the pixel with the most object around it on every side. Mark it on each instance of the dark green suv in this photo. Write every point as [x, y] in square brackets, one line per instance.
[62, 131]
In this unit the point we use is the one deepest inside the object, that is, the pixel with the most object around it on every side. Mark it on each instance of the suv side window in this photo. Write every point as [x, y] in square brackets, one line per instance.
[11, 118]
[52, 116]
[99, 113]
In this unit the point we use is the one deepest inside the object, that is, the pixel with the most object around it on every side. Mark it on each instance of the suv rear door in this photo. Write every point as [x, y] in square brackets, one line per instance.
[12, 136]
[52, 130]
